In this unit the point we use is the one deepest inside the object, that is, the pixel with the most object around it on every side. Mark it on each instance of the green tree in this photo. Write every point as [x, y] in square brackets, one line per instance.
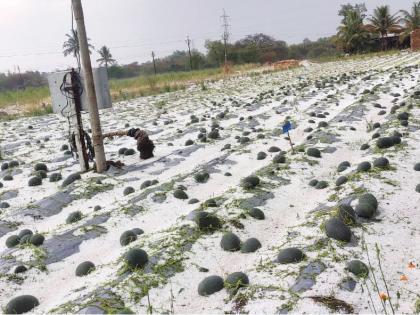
[410, 20]
[106, 57]
[352, 34]
[215, 52]
[345, 10]
[71, 45]
[382, 22]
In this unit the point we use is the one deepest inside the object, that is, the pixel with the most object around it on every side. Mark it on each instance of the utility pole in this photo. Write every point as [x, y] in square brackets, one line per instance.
[154, 63]
[225, 35]
[188, 41]
[97, 140]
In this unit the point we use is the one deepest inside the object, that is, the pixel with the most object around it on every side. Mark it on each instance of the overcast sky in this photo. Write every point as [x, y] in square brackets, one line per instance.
[32, 31]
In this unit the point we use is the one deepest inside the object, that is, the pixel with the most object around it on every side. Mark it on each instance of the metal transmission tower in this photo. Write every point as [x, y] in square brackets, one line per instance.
[188, 41]
[226, 34]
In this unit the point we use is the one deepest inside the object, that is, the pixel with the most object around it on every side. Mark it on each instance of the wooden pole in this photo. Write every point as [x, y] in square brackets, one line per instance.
[97, 140]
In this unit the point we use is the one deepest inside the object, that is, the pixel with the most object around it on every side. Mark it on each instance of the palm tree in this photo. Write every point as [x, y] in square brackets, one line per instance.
[352, 34]
[71, 45]
[106, 57]
[383, 23]
[411, 20]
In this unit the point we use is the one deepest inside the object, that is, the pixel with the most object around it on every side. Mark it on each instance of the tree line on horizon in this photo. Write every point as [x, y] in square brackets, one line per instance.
[357, 33]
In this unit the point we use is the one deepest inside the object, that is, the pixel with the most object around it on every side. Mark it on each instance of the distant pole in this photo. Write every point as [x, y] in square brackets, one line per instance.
[97, 140]
[226, 34]
[188, 41]
[154, 63]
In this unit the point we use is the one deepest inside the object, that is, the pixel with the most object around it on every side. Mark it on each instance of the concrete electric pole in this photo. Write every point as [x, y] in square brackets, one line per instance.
[97, 140]
[154, 63]
[188, 41]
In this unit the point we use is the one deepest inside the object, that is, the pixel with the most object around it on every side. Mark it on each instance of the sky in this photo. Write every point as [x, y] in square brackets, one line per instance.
[32, 32]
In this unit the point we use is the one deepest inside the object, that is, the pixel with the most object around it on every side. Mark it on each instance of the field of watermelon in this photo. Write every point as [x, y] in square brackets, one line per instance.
[226, 218]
